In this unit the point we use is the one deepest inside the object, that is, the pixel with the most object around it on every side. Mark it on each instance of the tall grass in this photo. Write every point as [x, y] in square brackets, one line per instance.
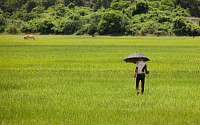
[84, 80]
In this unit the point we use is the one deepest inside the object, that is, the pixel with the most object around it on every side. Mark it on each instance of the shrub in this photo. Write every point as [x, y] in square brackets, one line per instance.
[160, 33]
[83, 30]
[38, 10]
[71, 6]
[11, 29]
[120, 4]
[130, 11]
[182, 27]
[2, 24]
[148, 28]
[27, 28]
[65, 26]
[179, 11]
[133, 29]
[154, 4]
[45, 27]
[192, 29]
[141, 7]
[92, 29]
[179, 26]
[167, 4]
[23, 15]
[111, 22]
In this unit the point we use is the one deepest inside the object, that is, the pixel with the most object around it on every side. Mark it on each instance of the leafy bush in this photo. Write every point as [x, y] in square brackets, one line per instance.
[71, 6]
[160, 33]
[179, 11]
[83, 30]
[130, 11]
[167, 4]
[141, 7]
[120, 4]
[148, 28]
[11, 29]
[92, 29]
[154, 4]
[38, 10]
[183, 27]
[23, 15]
[111, 23]
[133, 29]
[2, 23]
[192, 29]
[30, 5]
[43, 26]
[65, 26]
[179, 26]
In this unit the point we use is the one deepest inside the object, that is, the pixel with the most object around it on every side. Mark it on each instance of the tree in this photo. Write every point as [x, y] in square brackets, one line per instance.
[11, 6]
[11, 29]
[71, 6]
[141, 7]
[23, 15]
[67, 2]
[192, 29]
[193, 5]
[179, 11]
[45, 27]
[120, 4]
[94, 21]
[168, 4]
[179, 26]
[75, 2]
[48, 3]
[2, 23]
[98, 4]
[111, 23]
[38, 10]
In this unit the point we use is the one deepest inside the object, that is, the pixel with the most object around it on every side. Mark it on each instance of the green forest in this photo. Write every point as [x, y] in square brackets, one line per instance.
[101, 17]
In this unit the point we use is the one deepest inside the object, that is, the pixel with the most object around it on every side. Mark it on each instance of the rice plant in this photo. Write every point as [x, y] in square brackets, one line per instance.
[84, 80]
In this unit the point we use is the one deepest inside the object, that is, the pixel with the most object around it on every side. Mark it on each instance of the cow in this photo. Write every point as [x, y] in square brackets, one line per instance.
[29, 37]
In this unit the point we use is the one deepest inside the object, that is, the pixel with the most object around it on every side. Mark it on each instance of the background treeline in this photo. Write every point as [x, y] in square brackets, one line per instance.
[112, 17]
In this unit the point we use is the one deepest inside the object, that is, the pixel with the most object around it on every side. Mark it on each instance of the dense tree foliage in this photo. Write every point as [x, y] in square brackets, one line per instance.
[193, 5]
[112, 17]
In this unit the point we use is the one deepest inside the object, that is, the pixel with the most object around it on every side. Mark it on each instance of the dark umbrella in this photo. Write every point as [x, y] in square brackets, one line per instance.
[135, 57]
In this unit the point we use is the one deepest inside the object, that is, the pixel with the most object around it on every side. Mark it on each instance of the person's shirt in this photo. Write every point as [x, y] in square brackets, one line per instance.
[140, 65]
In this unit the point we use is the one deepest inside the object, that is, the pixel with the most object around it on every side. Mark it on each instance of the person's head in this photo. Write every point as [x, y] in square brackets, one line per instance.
[140, 60]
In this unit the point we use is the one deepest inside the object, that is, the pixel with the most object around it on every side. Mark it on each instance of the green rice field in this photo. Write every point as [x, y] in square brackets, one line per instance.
[83, 80]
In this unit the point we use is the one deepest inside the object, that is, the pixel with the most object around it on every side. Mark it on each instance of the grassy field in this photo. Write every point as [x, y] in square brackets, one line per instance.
[83, 80]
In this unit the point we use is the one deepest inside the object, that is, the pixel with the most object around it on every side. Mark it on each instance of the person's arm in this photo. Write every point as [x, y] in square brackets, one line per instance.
[136, 70]
[147, 72]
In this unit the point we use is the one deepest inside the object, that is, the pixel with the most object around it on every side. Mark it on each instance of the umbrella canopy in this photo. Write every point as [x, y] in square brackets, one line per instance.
[135, 57]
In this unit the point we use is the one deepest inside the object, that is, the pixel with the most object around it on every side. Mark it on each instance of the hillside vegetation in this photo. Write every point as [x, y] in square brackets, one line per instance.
[103, 17]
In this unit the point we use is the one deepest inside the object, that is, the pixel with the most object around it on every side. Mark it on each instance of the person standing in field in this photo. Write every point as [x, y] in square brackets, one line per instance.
[141, 69]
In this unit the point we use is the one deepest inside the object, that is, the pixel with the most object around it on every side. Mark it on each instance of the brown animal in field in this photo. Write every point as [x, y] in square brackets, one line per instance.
[29, 37]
